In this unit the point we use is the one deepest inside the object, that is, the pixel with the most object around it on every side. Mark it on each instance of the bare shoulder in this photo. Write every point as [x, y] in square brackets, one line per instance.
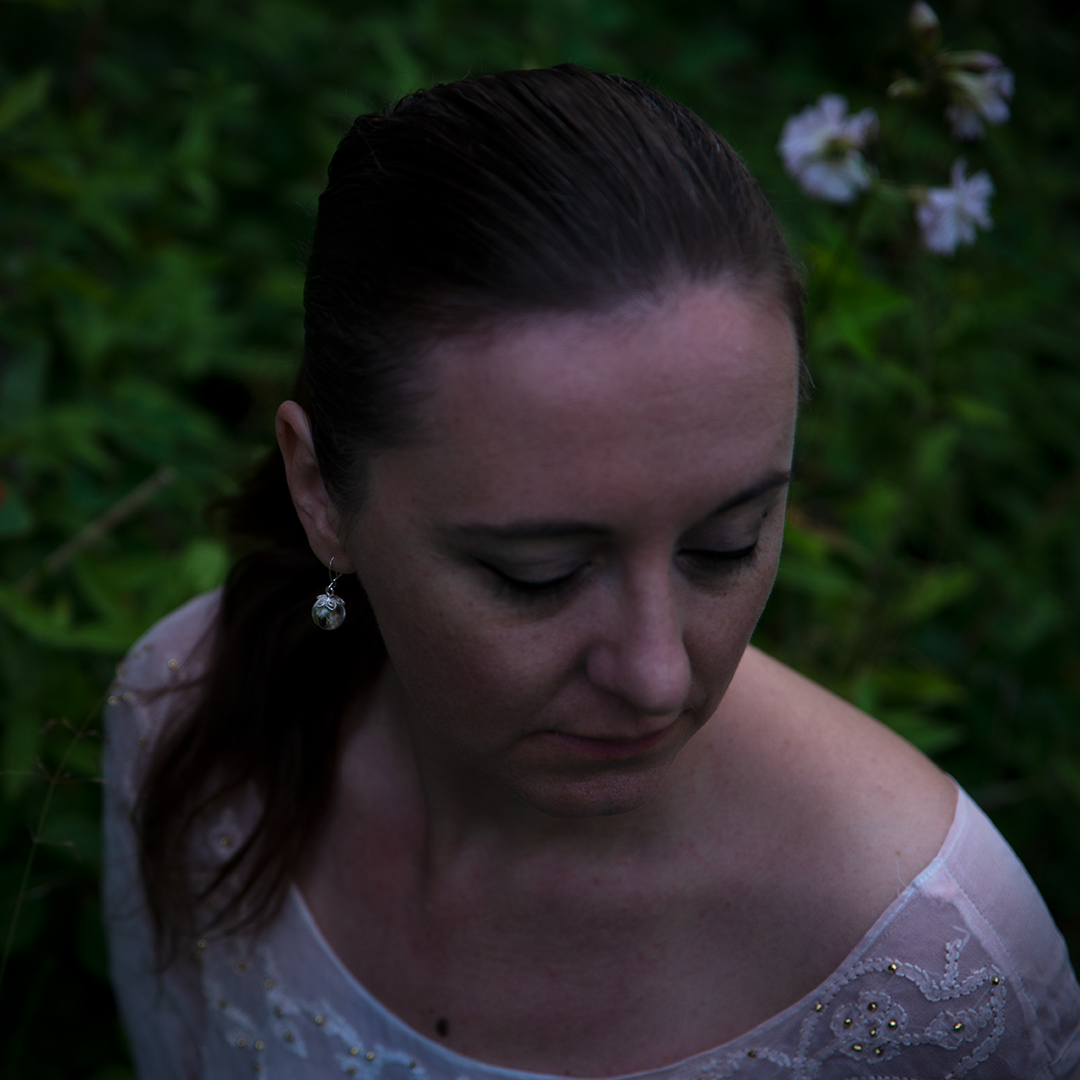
[846, 811]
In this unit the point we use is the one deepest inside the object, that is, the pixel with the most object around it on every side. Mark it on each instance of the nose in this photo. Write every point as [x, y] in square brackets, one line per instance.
[640, 656]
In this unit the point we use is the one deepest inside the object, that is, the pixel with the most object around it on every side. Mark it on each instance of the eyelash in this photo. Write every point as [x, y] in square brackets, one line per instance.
[532, 590]
[710, 562]
[722, 561]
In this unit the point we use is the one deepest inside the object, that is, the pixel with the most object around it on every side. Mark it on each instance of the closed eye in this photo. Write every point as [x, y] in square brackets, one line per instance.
[534, 588]
[708, 559]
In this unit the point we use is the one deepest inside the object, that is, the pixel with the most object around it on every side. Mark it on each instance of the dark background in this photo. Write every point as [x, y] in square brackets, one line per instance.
[159, 163]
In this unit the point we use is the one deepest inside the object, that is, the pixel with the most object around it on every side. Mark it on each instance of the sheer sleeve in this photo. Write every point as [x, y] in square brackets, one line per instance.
[164, 1013]
[985, 875]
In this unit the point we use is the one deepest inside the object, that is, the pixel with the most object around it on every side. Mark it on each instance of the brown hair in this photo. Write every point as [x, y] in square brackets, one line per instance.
[546, 190]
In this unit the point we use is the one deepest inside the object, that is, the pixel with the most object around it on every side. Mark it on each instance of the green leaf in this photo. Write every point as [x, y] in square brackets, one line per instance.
[16, 517]
[21, 732]
[861, 305]
[929, 736]
[204, 565]
[77, 835]
[24, 97]
[1068, 772]
[54, 626]
[934, 590]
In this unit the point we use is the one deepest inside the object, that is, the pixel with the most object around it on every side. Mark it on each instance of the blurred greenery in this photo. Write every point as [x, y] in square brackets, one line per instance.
[159, 164]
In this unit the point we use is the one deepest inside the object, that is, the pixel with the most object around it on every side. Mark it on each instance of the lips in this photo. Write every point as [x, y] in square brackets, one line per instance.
[609, 749]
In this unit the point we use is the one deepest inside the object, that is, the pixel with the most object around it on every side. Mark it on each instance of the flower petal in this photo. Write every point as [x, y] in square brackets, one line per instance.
[947, 217]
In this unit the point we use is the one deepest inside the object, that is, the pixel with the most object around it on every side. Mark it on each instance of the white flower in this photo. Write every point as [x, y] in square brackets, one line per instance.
[820, 148]
[980, 87]
[947, 216]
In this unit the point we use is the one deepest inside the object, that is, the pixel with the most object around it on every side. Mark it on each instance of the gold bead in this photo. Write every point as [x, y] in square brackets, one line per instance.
[173, 665]
[354, 1050]
[892, 969]
[872, 1007]
[278, 1011]
[241, 1042]
[873, 1033]
[995, 980]
[241, 966]
[260, 1045]
[412, 1064]
[113, 699]
[878, 1051]
[320, 1020]
[847, 1021]
[370, 1055]
[751, 1053]
[202, 943]
[892, 1024]
[819, 1007]
[857, 1047]
[289, 1036]
[958, 1026]
[269, 984]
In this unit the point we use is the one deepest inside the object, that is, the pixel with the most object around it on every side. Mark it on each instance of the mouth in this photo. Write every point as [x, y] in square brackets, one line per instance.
[609, 749]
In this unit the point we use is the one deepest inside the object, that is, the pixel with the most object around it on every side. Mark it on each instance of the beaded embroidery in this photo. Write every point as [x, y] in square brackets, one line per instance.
[859, 1018]
[873, 1028]
[290, 1022]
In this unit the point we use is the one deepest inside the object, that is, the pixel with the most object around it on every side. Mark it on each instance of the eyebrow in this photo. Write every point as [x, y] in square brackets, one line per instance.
[540, 530]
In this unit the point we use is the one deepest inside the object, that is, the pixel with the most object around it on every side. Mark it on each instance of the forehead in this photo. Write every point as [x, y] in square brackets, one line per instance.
[703, 381]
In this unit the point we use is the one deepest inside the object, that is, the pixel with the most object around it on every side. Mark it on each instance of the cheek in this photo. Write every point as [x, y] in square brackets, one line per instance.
[461, 661]
[720, 626]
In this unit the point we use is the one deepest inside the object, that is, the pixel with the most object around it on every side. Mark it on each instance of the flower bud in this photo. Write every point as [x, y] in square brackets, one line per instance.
[906, 87]
[924, 25]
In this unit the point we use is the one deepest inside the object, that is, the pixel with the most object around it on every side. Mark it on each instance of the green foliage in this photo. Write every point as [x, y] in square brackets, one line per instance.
[158, 170]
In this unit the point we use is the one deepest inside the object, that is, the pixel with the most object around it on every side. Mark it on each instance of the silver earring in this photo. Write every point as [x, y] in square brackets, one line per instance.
[328, 611]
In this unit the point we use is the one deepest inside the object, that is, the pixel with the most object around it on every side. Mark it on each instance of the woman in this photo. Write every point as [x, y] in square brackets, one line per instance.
[535, 805]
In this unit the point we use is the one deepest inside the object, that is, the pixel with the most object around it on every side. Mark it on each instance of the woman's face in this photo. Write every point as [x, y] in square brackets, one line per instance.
[568, 567]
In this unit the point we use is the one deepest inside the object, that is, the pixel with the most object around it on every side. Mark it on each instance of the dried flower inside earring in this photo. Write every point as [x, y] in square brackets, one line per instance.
[328, 611]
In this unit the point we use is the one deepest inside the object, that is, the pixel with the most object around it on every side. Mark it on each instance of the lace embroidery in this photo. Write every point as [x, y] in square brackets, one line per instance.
[291, 1021]
[866, 1025]
[870, 1027]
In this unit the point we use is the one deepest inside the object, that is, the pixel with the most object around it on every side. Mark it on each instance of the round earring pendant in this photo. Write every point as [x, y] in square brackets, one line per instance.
[328, 611]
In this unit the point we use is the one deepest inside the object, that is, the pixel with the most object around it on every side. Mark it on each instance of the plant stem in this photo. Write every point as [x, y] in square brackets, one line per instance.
[35, 838]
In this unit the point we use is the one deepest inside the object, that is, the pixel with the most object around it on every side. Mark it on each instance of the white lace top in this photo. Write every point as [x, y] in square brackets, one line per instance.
[965, 974]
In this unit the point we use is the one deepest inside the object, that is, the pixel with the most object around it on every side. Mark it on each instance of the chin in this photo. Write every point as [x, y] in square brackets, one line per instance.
[603, 795]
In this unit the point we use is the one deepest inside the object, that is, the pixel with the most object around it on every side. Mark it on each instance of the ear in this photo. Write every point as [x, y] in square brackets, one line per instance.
[306, 486]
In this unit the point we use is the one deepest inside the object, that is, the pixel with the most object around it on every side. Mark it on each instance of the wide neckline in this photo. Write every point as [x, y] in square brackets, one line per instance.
[460, 1061]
